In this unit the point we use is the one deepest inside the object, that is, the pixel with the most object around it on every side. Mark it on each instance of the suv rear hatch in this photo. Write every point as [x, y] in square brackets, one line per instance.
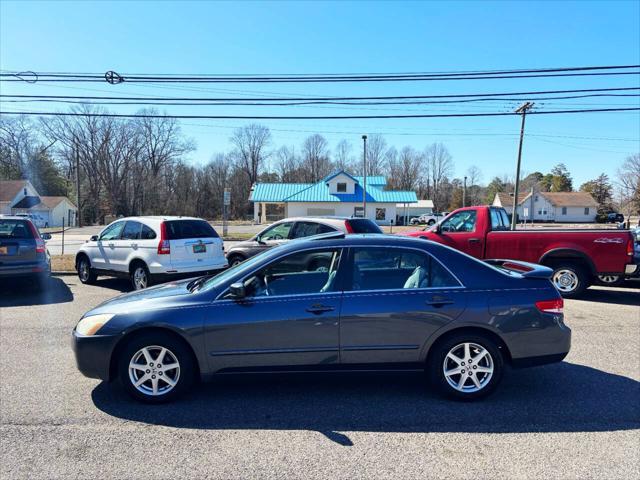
[18, 244]
[193, 243]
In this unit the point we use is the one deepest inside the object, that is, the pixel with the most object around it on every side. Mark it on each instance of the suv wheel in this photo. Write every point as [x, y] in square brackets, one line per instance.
[86, 274]
[235, 260]
[466, 366]
[156, 368]
[140, 277]
[570, 279]
[611, 280]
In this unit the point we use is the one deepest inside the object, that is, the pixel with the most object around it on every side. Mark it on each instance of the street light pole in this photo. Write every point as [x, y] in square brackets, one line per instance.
[464, 192]
[364, 188]
[522, 109]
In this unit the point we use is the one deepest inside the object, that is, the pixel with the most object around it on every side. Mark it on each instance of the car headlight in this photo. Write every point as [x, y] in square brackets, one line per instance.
[91, 324]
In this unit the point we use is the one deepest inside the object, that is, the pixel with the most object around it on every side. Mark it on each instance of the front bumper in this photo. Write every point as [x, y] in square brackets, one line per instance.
[93, 354]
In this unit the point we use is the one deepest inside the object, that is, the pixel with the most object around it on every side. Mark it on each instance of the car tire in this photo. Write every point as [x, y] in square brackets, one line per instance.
[139, 275]
[235, 260]
[570, 279]
[86, 274]
[610, 280]
[431, 222]
[466, 384]
[167, 383]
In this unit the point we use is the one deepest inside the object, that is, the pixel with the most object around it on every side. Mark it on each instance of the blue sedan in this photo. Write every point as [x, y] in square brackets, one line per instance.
[376, 302]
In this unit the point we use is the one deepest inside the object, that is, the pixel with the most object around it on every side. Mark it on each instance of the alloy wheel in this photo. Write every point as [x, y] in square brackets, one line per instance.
[154, 370]
[609, 278]
[468, 367]
[565, 280]
[84, 270]
[140, 278]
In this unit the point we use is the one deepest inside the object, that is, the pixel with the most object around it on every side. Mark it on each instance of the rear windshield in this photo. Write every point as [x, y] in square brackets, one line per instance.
[18, 229]
[179, 229]
[363, 225]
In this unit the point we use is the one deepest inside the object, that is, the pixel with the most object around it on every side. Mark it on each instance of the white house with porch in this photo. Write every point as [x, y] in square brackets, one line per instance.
[20, 196]
[574, 207]
[339, 194]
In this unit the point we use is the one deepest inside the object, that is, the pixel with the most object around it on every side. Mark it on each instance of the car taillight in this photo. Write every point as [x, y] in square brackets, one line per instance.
[630, 246]
[40, 246]
[347, 225]
[551, 306]
[164, 247]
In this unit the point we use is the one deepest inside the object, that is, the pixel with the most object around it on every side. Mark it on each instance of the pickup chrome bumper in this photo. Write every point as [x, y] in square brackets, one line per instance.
[630, 269]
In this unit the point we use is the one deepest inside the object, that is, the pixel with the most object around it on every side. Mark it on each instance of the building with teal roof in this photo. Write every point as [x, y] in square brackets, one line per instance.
[339, 194]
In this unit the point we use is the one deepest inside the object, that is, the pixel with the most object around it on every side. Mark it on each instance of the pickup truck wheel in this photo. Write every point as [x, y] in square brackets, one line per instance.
[570, 279]
[610, 280]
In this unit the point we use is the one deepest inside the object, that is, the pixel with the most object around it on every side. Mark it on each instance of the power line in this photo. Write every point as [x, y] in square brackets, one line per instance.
[333, 117]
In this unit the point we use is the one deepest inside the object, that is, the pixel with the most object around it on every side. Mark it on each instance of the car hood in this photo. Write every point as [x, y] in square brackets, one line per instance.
[173, 293]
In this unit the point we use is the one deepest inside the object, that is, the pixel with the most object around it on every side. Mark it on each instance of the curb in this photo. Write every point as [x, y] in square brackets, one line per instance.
[62, 274]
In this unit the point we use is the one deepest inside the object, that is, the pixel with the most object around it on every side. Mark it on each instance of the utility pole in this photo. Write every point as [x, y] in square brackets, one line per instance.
[522, 109]
[464, 192]
[79, 219]
[364, 188]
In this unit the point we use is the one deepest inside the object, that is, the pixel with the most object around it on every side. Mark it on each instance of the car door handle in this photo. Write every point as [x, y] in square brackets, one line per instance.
[111, 245]
[134, 245]
[319, 308]
[474, 240]
[439, 302]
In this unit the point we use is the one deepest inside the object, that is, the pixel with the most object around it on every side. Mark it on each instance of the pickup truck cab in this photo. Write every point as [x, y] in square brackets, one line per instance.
[577, 257]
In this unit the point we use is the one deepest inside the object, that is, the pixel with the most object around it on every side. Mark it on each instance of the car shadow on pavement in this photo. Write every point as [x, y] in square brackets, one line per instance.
[24, 292]
[119, 284]
[564, 397]
[618, 296]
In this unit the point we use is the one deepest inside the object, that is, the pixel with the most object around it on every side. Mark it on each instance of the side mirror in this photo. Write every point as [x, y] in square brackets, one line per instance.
[438, 228]
[236, 290]
[94, 238]
[45, 236]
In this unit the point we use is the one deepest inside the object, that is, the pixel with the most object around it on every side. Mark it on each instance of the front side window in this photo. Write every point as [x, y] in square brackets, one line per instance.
[464, 221]
[299, 273]
[341, 187]
[112, 232]
[277, 232]
[131, 231]
[382, 268]
[306, 229]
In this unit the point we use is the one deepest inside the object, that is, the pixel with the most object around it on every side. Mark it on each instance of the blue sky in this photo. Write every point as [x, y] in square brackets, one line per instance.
[333, 37]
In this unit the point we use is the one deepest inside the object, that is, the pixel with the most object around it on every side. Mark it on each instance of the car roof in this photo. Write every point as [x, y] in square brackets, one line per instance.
[14, 217]
[157, 218]
[352, 240]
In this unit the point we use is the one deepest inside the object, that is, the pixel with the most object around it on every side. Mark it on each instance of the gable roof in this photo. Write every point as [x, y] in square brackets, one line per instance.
[10, 188]
[569, 199]
[52, 202]
[275, 192]
[506, 198]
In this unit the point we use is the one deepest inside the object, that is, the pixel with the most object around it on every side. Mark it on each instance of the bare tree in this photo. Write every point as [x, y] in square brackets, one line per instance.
[403, 168]
[343, 159]
[376, 149]
[315, 158]
[629, 185]
[440, 166]
[287, 165]
[474, 190]
[251, 143]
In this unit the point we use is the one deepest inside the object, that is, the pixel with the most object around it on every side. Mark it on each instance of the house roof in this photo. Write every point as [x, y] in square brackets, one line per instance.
[569, 199]
[52, 202]
[27, 202]
[318, 192]
[506, 198]
[10, 188]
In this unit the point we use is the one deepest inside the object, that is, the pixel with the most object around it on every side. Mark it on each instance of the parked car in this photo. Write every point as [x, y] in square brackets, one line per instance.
[428, 218]
[431, 308]
[615, 217]
[37, 220]
[299, 227]
[23, 252]
[150, 249]
[577, 257]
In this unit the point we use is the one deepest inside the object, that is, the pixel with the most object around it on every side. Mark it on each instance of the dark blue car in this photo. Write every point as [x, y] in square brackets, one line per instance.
[376, 302]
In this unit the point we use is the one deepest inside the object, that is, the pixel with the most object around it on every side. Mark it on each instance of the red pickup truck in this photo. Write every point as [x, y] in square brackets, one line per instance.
[577, 257]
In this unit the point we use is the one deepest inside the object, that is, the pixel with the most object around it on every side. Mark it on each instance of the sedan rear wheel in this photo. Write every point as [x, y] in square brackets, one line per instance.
[155, 368]
[466, 366]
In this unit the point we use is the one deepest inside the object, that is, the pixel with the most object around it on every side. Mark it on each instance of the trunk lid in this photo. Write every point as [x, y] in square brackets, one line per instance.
[17, 243]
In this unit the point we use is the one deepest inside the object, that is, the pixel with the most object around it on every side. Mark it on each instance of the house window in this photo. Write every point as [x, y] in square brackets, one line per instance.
[381, 213]
[341, 187]
[586, 211]
[542, 212]
[536, 199]
[564, 210]
[358, 212]
[25, 191]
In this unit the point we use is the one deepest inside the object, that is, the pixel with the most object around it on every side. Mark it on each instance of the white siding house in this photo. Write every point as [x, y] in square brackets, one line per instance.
[565, 207]
[339, 194]
[20, 196]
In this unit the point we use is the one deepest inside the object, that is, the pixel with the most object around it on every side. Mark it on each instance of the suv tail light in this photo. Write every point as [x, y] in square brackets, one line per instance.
[551, 306]
[348, 226]
[40, 246]
[164, 247]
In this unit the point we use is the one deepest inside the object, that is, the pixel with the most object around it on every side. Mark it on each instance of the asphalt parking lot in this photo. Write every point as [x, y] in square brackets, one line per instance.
[576, 419]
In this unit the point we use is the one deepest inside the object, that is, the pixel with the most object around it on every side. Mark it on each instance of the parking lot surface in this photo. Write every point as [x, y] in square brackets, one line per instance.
[576, 419]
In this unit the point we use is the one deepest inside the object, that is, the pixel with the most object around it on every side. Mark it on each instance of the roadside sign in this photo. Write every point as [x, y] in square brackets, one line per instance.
[227, 196]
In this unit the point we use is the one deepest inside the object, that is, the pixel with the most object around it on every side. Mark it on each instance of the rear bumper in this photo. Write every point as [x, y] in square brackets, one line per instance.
[157, 269]
[29, 270]
[93, 354]
[536, 361]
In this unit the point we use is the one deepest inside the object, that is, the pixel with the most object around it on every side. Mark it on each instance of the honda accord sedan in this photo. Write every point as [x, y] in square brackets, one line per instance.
[376, 302]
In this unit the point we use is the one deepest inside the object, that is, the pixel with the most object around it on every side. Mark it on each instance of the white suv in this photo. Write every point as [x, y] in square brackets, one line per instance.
[147, 249]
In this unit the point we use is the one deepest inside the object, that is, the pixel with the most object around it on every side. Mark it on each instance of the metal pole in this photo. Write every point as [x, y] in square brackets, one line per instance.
[62, 235]
[523, 110]
[464, 192]
[79, 219]
[364, 188]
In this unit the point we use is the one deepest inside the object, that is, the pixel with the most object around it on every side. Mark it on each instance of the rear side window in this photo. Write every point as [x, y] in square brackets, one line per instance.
[147, 233]
[15, 229]
[179, 229]
[498, 221]
[131, 231]
[363, 225]
[306, 229]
